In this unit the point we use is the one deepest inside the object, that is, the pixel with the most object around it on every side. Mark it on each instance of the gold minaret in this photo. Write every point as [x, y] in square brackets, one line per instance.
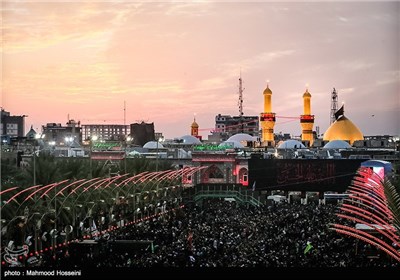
[194, 128]
[307, 120]
[267, 119]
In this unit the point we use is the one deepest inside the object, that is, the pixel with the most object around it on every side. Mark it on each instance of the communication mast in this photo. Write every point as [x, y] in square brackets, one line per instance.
[334, 105]
[126, 131]
[240, 102]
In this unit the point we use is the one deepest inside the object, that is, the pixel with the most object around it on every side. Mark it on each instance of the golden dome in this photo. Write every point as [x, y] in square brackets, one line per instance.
[267, 91]
[343, 129]
[306, 94]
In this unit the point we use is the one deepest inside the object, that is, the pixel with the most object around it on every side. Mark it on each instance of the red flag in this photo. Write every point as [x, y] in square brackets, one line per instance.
[190, 240]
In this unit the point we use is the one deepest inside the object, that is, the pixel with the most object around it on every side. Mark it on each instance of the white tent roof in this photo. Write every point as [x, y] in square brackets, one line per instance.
[337, 144]
[241, 137]
[153, 145]
[190, 140]
[291, 144]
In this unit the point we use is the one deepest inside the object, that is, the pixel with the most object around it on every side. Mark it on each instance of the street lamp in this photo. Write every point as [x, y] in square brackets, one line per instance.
[68, 142]
[161, 139]
[52, 145]
[37, 137]
[92, 139]
[128, 140]
[69, 139]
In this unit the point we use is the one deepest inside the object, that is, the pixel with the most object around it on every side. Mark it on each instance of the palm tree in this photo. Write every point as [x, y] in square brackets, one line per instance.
[136, 165]
[73, 168]
[11, 175]
[396, 176]
[393, 199]
[139, 165]
[98, 169]
[47, 170]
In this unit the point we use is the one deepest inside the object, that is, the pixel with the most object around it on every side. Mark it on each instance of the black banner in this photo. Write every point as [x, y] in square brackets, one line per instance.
[301, 174]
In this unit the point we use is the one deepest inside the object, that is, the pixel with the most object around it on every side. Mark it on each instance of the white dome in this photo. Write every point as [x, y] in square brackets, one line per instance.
[241, 137]
[153, 145]
[190, 140]
[236, 144]
[291, 144]
[337, 144]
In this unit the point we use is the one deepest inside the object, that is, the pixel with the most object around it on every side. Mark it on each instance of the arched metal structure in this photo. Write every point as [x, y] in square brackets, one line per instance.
[66, 200]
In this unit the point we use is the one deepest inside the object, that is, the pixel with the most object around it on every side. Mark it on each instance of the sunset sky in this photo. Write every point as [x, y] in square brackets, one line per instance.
[171, 60]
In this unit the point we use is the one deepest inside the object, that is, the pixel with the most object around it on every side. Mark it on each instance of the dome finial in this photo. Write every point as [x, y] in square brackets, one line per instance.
[267, 89]
[194, 124]
[307, 93]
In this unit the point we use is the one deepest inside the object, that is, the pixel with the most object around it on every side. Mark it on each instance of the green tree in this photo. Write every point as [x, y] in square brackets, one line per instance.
[98, 169]
[139, 165]
[395, 181]
[136, 165]
[11, 175]
[72, 168]
[393, 197]
[47, 170]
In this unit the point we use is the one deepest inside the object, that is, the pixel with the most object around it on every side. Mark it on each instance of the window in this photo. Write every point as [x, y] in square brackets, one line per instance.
[12, 126]
[215, 172]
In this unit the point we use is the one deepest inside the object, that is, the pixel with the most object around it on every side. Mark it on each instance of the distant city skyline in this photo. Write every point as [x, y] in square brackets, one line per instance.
[169, 61]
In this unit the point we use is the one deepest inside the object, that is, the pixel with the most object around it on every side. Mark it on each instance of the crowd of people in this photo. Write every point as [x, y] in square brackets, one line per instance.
[223, 233]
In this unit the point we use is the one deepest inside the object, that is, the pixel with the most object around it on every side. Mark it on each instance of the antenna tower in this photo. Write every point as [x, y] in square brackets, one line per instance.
[334, 105]
[240, 101]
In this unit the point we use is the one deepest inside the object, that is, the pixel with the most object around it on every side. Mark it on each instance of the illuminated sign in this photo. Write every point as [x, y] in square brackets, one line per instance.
[107, 145]
[302, 175]
[214, 147]
[307, 118]
[267, 117]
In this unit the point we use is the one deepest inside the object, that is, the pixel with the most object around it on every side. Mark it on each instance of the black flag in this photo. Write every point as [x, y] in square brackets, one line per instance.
[339, 112]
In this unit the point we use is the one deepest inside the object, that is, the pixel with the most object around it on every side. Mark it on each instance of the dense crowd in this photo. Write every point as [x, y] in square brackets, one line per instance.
[227, 234]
